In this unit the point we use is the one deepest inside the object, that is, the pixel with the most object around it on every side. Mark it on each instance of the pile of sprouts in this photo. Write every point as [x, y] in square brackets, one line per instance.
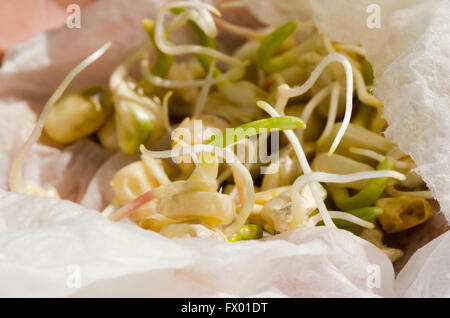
[333, 167]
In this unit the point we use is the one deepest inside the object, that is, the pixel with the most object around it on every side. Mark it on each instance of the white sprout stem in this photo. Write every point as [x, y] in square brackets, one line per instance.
[162, 82]
[193, 155]
[330, 58]
[201, 16]
[351, 48]
[327, 44]
[234, 194]
[282, 97]
[378, 157]
[240, 30]
[312, 221]
[257, 208]
[15, 178]
[237, 166]
[286, 92]
[332, 111]
[311, 106]
[392, 191]
[238, 3]
[178, 21]
[367, 153]
[118, 82]
[108, 211]
[353, 62]
[165, 108]
[121, 71]
[307, 178]
[362, 93]
[205, 20]
[303, 161]
[165, 46]
[201, 101]
[396, 153]
[156, 171]
[310, 57]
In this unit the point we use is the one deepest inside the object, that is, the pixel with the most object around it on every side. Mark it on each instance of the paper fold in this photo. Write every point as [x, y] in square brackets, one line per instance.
[44, 242]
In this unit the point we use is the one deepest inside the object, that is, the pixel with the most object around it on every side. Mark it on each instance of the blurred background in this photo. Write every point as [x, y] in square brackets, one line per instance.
[20, 20]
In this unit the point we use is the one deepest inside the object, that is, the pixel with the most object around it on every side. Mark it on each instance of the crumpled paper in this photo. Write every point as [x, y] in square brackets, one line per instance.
[410, 55]
[41, 244]
[55, 248]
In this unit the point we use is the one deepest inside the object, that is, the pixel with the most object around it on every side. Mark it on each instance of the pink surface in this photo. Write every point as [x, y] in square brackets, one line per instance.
[22, 19]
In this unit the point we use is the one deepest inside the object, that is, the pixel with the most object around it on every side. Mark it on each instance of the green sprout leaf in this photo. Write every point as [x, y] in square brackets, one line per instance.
[268, 47]
[206, 41]
[269, 63]
[367, 73]
[367, 196]
[236, 134]
[163, 62]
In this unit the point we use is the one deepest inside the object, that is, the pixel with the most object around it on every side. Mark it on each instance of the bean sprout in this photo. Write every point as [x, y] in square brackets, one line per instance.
[201, 101]
[238, 168]
[285, 92]
[379, 157]
[15, 178]
[334, 100]
[309, 177]
[303, 163]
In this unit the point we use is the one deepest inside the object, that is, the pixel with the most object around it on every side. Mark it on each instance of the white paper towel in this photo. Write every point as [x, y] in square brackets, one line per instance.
[48, 246]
